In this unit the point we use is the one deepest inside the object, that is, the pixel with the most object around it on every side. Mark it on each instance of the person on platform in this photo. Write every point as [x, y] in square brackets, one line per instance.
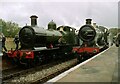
[16, 40]
[3, 43]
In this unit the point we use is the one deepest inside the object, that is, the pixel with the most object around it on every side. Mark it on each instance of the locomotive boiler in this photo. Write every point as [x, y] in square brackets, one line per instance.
[34, 36]
[95, 39]
[38, 44]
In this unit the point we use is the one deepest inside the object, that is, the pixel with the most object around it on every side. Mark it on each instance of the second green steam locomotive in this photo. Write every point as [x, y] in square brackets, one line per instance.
[95, 39]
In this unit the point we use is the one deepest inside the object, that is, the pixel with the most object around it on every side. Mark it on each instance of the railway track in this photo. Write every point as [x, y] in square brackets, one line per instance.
[16, 71]
[17, 75]
[10, 74]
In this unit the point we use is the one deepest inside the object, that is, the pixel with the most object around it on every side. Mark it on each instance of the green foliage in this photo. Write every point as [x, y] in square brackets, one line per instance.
[9, 29]
[114, 31]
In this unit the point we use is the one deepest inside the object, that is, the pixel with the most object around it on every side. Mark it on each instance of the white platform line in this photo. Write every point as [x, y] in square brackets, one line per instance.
[72, 69]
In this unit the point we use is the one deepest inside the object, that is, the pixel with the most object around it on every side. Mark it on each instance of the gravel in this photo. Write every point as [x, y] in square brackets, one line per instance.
[36, 75]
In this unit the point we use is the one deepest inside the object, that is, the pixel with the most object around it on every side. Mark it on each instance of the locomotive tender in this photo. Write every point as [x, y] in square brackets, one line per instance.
[95, 39]
[53, 43]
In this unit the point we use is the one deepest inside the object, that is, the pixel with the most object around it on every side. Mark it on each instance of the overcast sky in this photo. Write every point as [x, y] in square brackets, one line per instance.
[71, 12]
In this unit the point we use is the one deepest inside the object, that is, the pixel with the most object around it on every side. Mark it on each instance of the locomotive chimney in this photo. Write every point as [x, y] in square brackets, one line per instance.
[33, 20]
[88, 21]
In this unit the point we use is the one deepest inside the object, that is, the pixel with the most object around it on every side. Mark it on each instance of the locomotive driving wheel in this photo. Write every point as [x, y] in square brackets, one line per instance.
[30, 63]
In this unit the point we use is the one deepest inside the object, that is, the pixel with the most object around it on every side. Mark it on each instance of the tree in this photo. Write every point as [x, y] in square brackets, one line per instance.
[114, 31]
[9, 29]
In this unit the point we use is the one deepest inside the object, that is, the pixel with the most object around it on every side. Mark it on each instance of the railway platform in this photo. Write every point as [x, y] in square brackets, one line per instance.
[101, 68]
